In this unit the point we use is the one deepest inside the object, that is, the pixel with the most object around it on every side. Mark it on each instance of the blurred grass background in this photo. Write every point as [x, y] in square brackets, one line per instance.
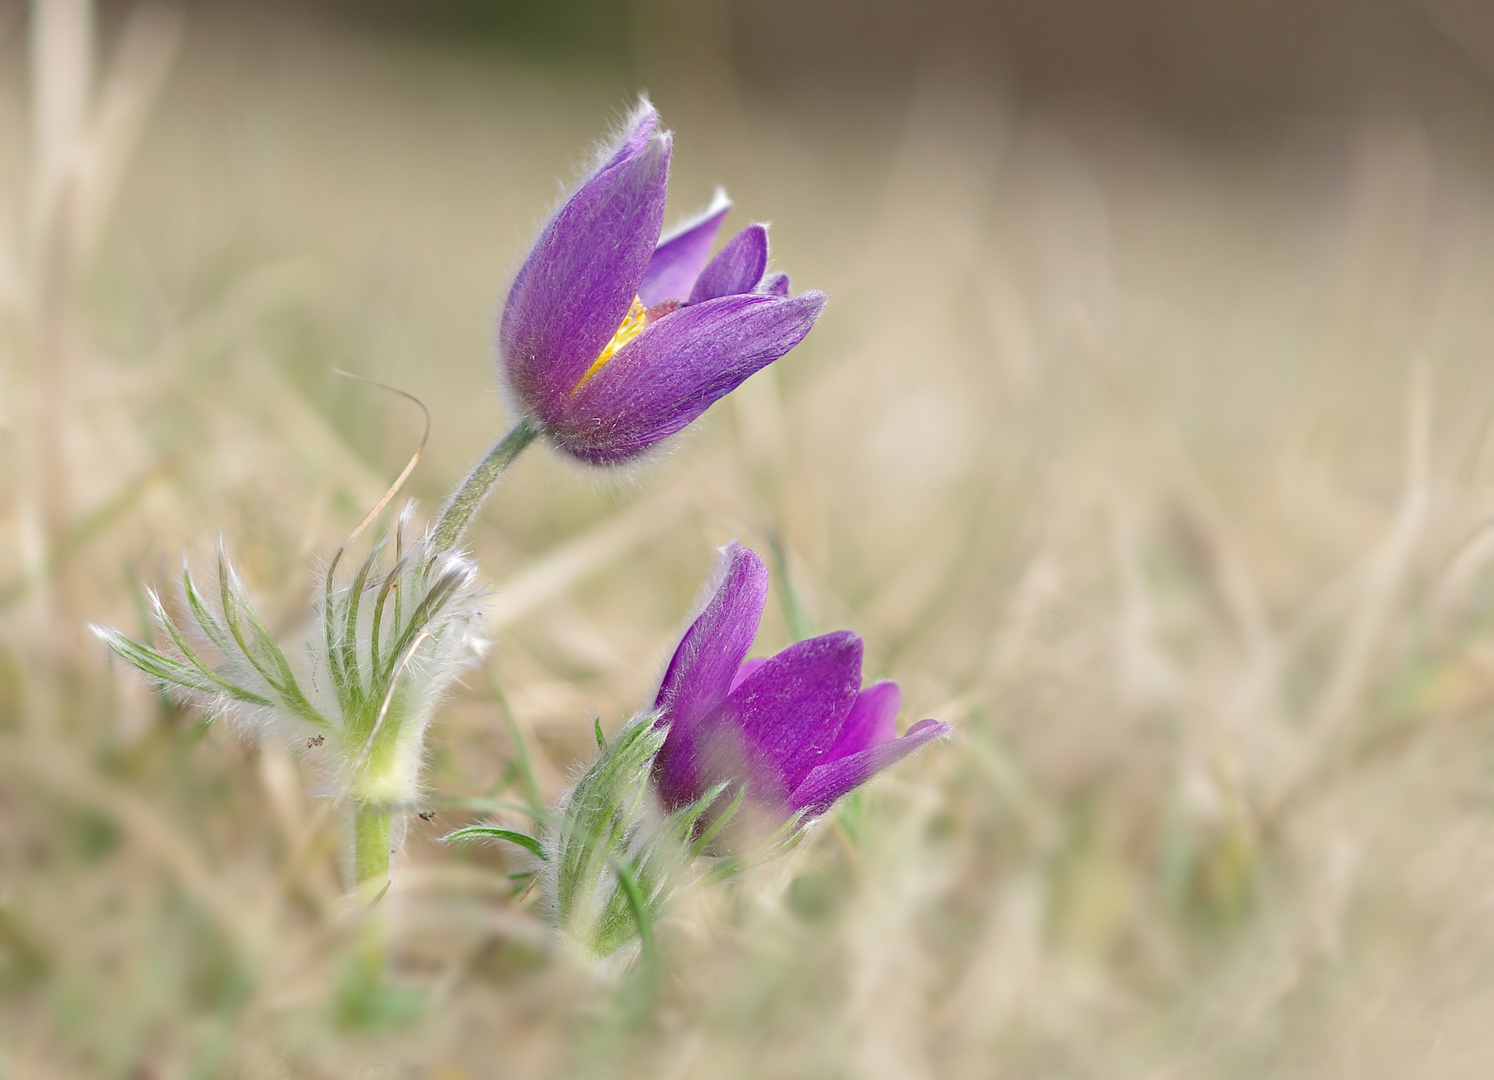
[1146, 439]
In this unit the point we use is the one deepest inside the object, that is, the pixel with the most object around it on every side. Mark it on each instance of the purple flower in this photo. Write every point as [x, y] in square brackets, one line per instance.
[613, 339]
[797, 728]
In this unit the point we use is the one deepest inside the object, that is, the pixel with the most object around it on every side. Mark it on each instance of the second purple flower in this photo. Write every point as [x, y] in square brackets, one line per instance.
[796, 728]
[612, 339]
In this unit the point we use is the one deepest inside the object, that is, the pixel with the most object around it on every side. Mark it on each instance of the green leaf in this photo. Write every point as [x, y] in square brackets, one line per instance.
[425, 612]
[794, 615]
[350, 629]
[715, 828]
[521, 750]
[390, 581]
[605, 825]
[238, 612]
[215, 682]
[164, 668]
[202, 613]
[642, 916]
[329, 628]
[495, 832]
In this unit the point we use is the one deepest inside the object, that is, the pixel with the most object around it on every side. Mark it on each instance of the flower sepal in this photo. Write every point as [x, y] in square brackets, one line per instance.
[614, 857]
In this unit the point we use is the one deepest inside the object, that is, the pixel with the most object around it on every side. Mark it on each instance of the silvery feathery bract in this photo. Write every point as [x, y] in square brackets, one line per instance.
[387, 646]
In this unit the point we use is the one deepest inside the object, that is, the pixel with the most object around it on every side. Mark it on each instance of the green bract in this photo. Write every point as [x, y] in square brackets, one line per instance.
[613, 856]
[389, 644]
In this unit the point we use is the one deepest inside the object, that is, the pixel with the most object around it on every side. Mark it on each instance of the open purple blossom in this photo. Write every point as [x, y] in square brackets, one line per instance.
[613, 339]
[796, 729]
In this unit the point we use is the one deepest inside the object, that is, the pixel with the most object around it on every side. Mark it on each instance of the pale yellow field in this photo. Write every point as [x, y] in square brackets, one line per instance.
[1160, 468]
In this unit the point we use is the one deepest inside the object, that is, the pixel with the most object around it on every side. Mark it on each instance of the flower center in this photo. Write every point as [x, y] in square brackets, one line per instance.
[632, 325]
[638, 319]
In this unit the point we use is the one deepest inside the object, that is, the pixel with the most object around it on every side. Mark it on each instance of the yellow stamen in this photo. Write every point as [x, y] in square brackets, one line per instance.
[632, 325]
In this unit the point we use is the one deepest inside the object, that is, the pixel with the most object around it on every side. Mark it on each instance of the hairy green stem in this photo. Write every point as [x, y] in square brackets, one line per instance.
[372, 840]
[464, 502]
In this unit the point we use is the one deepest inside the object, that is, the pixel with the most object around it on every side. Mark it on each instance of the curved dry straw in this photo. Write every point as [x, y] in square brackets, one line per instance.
[399, 481]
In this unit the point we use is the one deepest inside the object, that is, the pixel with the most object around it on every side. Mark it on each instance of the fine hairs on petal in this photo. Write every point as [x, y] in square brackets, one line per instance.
[610, 143]
[668, 376]
[625, 478]
[709, 587]
[601, 152]
[580, 274]
[720, 201]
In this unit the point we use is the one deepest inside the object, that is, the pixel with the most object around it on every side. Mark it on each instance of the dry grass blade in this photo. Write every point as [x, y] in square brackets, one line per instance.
[570, 563]
[132, 82]
[1381, 579]
[399, 481]
[62, 38]
[55, 766]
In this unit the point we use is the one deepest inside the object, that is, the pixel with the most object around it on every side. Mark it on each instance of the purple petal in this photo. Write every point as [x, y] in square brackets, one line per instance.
[636, 130]
[737, 268]
[827, 783]
[790, 710]
[700, 673]
[775, 284]
[747, 668]
[674, 370]
[678, 259]
[871, 722]
[580, 278]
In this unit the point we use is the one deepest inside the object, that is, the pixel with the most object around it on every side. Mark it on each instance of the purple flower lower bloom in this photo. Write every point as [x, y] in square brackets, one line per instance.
[797, 728]
[613, 339]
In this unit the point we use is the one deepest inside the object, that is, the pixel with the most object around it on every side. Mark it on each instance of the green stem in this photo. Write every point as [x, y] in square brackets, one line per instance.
[372, 836]
[466, 499]
[532, 794]
[794, 615]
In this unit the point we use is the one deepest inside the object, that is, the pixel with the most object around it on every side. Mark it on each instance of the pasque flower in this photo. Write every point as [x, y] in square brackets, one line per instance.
[795, 729]
[782, 738]
[612, 339]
